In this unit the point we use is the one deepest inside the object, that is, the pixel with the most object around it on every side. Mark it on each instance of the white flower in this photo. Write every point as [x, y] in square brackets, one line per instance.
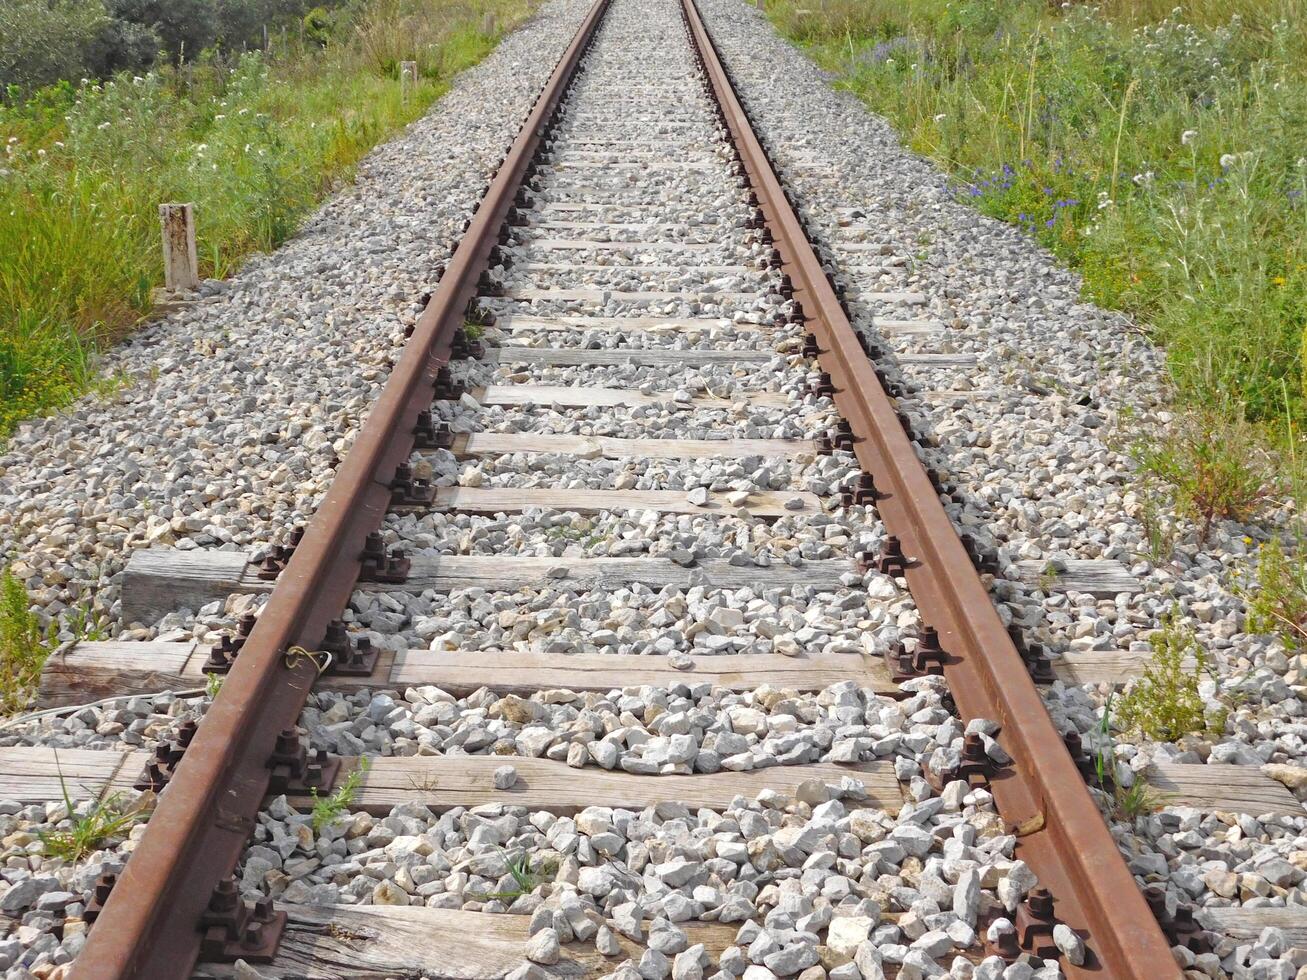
[247, 147]
[13, 139]
[1188, 136]
[201, 148]
[58, 144]
[941, 117]
[1103, 200]
[138, 80]
[41, 154]
[219, 116]
[1142, 179]
[1229, 159]
[103, 125]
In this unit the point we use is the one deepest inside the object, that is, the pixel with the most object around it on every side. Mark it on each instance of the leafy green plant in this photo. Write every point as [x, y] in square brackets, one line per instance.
[319, 25]
[1164, 702]
[105, 820]
[24, 645]
[213, 684]
[1213, 466]
[327, 808]
[87, 625]
[1277, 602]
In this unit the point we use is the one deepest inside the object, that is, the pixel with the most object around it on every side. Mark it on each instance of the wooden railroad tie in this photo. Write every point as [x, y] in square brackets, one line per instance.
[32, 775]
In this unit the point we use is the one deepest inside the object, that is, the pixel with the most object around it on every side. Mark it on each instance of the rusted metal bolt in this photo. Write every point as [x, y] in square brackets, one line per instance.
[1040, 902]
[103, 886]
[892, 560]
[973, 749]
[252, 934]
[1007, 946]
[288, 742]
[270, 567]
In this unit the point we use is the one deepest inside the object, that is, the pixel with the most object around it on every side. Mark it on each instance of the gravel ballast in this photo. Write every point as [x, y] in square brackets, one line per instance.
[240, 406]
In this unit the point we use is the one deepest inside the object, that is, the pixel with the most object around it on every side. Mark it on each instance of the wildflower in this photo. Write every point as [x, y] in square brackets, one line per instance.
[1229, 159]
[58, 144]
[138, 80]
[41, 153]
[242, 111]
[941, 117]
[1277, 280]
[103, 125]
[13, 139]
[247, 147]
[201, 148]
[1103, 200]
[1143, 179]
[1188, 136]
[219, 117]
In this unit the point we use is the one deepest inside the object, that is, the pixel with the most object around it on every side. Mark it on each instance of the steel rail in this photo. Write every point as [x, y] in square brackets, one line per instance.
[1072, 851]
[150, 925]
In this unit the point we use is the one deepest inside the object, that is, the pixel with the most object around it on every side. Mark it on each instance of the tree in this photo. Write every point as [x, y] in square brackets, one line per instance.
[42, 41]
[184, 27]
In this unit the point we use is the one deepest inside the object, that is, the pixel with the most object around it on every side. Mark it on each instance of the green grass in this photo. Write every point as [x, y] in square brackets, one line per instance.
[24, 645]
[526, 879]
[255, 143]
[1163, 155]
[99, 823]
[327, 808]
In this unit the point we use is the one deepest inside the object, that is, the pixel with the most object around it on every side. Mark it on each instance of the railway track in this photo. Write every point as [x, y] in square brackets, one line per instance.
[636, 473]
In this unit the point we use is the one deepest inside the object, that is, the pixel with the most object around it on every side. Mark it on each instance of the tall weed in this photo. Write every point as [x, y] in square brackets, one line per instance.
[23, 644]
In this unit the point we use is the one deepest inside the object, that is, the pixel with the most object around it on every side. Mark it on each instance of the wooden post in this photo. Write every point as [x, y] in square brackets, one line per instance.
[408, 78]
[488, 24]
[180, 268]
[760, 4]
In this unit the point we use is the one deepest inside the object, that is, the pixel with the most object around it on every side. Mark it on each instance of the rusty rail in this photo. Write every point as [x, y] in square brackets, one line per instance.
[1073, 852]
[150, 925]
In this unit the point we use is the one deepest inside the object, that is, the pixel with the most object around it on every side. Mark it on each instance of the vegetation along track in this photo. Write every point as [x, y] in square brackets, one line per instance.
[642, 179]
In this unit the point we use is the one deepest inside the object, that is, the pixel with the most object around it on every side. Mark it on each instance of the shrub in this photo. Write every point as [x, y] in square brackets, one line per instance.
[1212, 465]
[43, 41]
[1164, 702]
[318, 26]
[1277, 602]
